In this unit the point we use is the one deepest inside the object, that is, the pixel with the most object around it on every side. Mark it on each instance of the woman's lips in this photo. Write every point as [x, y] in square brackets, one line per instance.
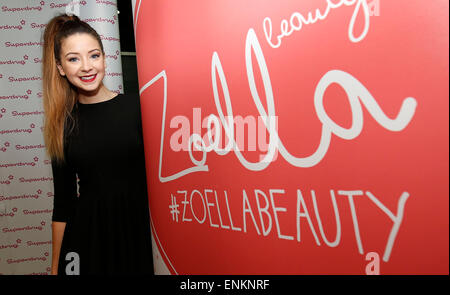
[90, 80]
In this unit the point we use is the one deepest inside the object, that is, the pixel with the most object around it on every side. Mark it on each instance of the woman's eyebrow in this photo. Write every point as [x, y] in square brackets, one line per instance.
[78, 53]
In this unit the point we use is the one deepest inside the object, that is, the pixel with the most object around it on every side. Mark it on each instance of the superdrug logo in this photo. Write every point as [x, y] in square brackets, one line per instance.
[37, 26]
[23, 44]
[24, 79]
[38, 227]
[107, 38]
[14, 61]
[34, 212]
[22, 179]
[29, 147]
[19, 130]
[15, 245]
[18, 197]
[61, 5]
[100, 20]
[14, 96]
[23, 8]
[23, 114]
[36, 243]
[113, 74]
[105, 2]
[13, 27]
[20, 260]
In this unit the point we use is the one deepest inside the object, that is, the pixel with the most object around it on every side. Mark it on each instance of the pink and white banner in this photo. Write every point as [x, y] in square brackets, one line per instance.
[296, 137]
[26, 188]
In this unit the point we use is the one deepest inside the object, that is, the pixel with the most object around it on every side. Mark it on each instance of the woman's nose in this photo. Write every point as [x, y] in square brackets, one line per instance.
[86, 65]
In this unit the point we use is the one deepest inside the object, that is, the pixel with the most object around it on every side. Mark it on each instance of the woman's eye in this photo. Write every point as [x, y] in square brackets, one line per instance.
[95, 55]
[72, 59]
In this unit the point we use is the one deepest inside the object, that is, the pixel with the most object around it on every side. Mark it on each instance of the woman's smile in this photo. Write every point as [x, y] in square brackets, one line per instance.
[88, 79]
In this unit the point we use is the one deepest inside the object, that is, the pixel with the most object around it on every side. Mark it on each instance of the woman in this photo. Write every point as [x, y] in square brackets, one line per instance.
[95, 135]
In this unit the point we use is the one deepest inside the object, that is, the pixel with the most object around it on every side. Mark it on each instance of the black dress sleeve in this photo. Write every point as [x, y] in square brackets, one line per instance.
[65, 191]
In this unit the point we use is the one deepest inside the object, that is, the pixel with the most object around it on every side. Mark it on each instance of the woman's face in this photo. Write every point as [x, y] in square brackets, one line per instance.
[82, 62]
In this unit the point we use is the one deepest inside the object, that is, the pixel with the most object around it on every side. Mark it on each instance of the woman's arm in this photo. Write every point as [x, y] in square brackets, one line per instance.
[64, 203]
[57, 237]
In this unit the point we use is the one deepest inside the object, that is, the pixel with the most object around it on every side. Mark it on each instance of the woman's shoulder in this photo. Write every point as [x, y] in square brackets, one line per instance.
[130, 101]
[129, 98]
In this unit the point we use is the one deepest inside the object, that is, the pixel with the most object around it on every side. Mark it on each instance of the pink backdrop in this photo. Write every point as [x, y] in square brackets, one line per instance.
[358, 155]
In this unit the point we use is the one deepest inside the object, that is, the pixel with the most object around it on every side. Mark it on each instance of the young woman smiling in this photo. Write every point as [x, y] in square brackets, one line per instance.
[95, 135]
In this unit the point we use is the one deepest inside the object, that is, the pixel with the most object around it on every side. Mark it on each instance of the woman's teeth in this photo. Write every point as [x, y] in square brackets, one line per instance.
[88, 78]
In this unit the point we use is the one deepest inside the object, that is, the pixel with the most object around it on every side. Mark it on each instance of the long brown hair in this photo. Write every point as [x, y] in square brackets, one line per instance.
[59, 95]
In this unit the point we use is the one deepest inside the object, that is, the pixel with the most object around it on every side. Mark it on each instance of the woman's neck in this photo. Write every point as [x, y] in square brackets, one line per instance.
[102, 94]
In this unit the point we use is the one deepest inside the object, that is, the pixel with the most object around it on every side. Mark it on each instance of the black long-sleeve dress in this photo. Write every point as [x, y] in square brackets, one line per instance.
[107, 225]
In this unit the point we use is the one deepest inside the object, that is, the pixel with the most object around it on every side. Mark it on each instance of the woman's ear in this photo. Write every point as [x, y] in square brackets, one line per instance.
[60, 69]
